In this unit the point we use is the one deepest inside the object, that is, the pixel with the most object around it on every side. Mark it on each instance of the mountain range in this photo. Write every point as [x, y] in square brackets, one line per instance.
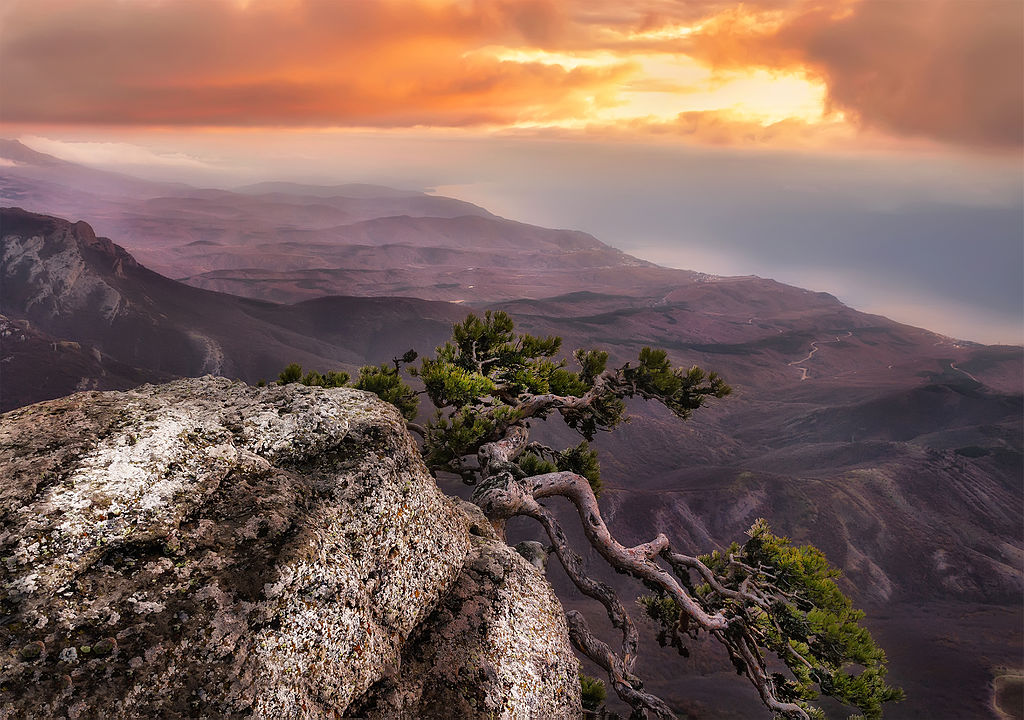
[896, 450]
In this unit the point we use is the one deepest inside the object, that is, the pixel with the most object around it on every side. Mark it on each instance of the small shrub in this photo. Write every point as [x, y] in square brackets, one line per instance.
[593, 692]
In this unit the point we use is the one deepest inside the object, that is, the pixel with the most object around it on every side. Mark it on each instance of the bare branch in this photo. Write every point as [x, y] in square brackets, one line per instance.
[634, 561]
[573, 565]
[496, 456]
[505, 496]
[625, 685]
[755, 669]
[537, 405]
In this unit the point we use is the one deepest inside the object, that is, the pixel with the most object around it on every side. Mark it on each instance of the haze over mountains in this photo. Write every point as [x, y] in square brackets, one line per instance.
[286, 242]
[896, 450]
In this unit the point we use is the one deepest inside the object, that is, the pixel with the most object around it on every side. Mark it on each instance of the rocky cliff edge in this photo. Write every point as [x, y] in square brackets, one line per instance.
[209, 549]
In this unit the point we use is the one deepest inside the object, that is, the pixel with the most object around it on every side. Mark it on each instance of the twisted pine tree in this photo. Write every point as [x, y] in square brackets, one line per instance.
[763, 599]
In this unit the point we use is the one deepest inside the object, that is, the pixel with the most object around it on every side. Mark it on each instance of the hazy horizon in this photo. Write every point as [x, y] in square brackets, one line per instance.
[934, 242]
[869, 149]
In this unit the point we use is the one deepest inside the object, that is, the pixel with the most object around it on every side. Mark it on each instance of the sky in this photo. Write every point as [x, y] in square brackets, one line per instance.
[869, 148]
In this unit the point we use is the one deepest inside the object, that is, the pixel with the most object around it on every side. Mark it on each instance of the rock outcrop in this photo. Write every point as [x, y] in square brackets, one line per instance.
[209, 549]
[494, 647]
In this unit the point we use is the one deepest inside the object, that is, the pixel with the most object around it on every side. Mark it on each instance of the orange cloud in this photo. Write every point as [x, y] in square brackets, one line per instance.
[725, 129]
[949, 70]
[305, 62]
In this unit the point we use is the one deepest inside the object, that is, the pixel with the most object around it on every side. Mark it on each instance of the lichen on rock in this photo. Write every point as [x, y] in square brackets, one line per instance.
[209, 549]
[494, 648]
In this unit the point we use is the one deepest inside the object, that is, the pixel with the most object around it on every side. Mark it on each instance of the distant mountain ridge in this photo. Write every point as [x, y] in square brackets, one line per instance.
[290, 242]
[36, 174]
[349, 190]
[20, 153]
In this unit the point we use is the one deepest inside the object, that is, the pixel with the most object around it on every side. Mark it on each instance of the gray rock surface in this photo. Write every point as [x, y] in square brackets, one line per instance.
[494, 648]
[209, 549]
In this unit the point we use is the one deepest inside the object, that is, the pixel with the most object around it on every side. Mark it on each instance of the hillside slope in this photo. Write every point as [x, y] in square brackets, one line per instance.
[896, 450]
[77, 287]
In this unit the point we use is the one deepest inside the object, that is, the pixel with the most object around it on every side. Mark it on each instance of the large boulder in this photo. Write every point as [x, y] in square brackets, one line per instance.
[494, 647]
[209, 549]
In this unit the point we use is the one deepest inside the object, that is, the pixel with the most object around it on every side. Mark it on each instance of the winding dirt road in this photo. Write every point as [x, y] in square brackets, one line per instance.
[814, 349]
[954, 367]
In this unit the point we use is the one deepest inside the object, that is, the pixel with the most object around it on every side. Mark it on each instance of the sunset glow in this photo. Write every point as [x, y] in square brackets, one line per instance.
[764, 72]
[657, 87]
